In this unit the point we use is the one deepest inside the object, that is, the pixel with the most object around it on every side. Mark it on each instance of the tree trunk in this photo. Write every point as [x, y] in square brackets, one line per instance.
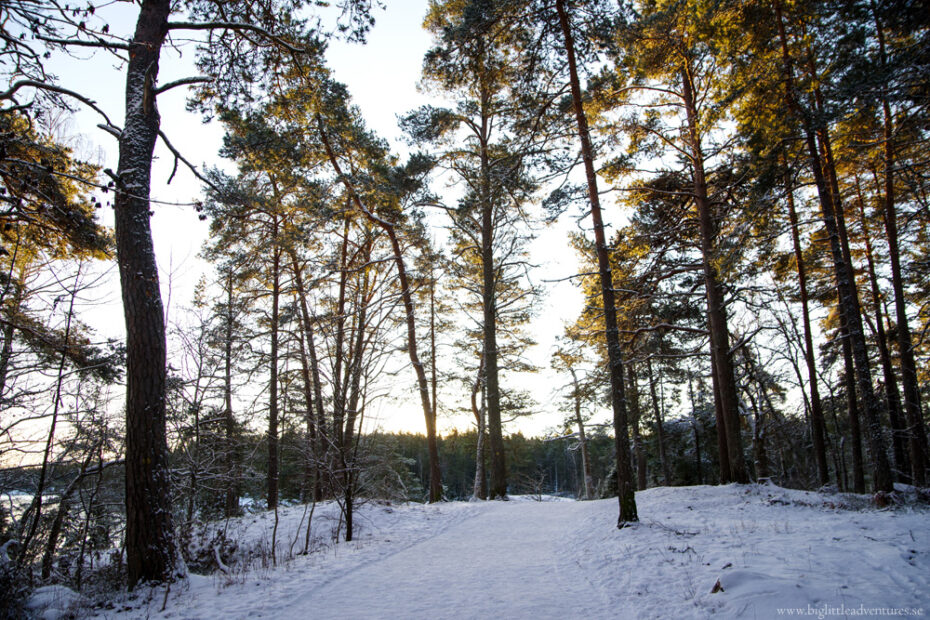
[758, 438]
[881, 471]
[917, 437]
[639, 452]
[151, 551]
[497, 487]
[311, 473]
[694, 428]
[231, 504]
[273, 370]
[626, 496]
[899, 433]
[852, 411]
[759, 434]
[338, 346]
[848, 294]
[435, 484]
[319, 448]
[660, 431]
[818, 426]
[583, 441]
[723, 454]
[481, 480]
[716, 308]
[354, 396]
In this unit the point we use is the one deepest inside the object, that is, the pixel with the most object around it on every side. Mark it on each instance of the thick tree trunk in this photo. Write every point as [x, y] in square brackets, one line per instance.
[723, 454]
[716, 308]
[818, 426]
[626, 495]
[151, 551]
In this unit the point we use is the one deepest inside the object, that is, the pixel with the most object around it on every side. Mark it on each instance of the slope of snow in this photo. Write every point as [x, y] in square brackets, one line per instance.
[774, 551]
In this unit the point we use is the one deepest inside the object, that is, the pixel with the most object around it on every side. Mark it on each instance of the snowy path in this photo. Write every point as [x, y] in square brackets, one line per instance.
[507, 561]
[776, 552]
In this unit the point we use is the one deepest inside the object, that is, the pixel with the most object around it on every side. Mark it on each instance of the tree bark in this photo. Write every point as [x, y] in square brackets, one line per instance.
[626, 496]
[723, 453]
[151, 551]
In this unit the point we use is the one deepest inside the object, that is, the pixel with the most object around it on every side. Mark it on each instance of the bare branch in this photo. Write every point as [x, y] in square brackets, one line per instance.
[192, 167]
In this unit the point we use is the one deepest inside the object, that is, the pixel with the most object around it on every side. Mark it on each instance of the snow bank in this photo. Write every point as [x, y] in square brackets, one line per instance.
[52, 602]
[775, 552]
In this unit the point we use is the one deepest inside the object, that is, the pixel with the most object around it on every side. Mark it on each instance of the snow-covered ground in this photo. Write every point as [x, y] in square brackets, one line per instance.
[775, 552]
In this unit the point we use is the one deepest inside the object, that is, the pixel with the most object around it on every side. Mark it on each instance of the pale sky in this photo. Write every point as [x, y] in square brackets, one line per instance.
[382, 77]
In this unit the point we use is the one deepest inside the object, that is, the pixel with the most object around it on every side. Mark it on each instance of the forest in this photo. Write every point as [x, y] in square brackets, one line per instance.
[747, 192]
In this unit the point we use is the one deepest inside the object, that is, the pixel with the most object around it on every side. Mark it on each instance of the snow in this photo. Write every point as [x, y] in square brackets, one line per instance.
[775, 552]
[52, 602]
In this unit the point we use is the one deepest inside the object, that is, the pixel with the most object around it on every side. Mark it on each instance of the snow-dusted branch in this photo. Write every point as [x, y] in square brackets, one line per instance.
[183, 82]
[236, 26]
[8, 94]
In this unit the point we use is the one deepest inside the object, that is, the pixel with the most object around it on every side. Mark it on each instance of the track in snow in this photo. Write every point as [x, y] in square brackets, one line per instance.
[508, 561]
